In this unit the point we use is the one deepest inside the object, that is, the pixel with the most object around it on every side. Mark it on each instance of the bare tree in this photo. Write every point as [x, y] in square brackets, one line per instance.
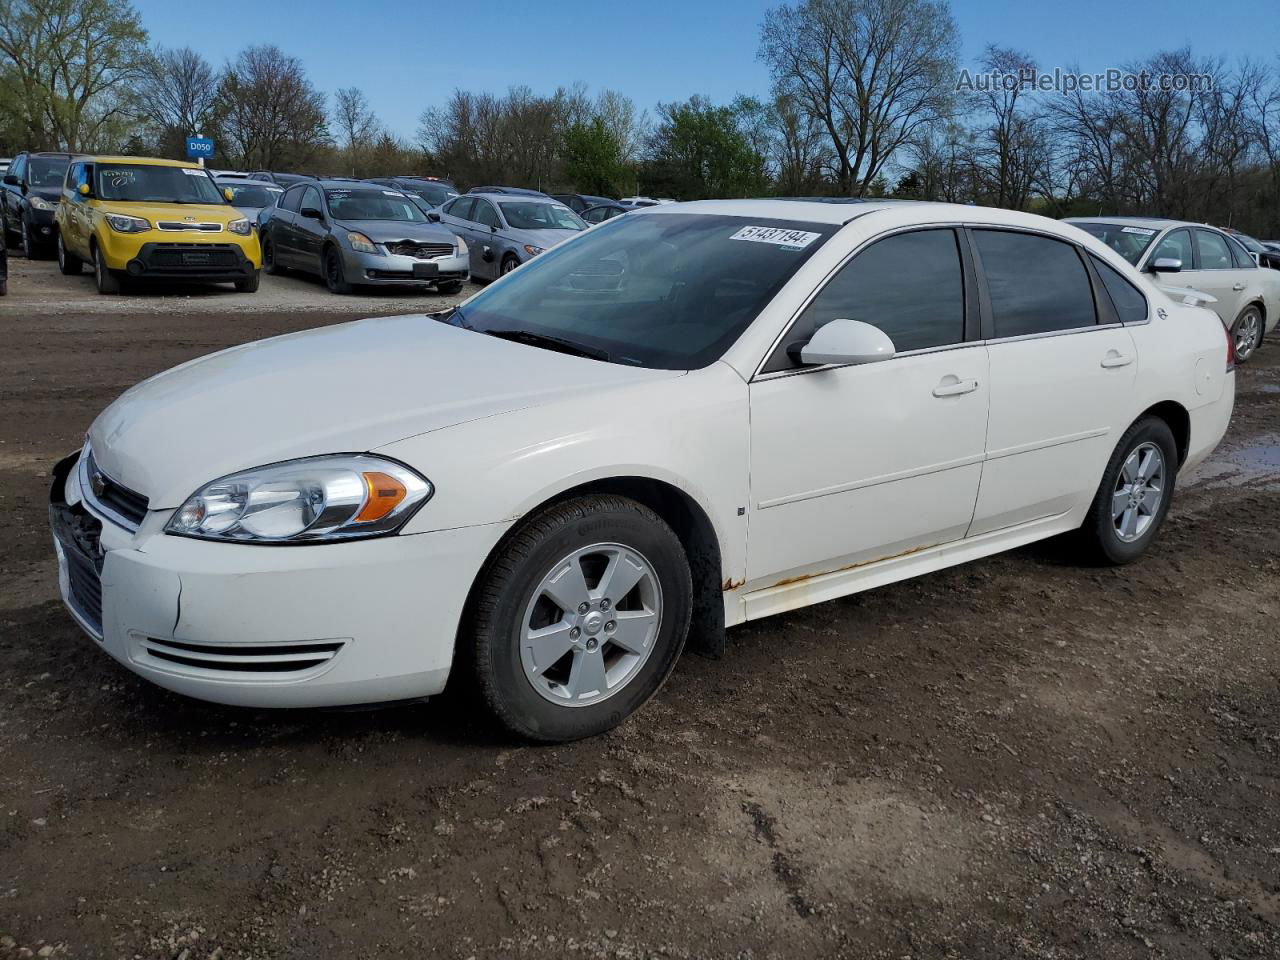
[269, 111]
[873, 73]
[356, 123]
[176, 93]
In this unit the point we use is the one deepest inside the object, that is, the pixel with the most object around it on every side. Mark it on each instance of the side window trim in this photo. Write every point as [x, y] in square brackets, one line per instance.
[988, 318]
[1091, 260]
[968, 275]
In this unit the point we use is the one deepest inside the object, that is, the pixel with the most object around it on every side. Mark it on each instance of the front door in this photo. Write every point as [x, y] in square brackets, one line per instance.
[855, 464]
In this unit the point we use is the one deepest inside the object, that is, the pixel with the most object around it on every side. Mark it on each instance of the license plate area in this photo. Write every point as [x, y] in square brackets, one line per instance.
[195, 258]
[425, 271]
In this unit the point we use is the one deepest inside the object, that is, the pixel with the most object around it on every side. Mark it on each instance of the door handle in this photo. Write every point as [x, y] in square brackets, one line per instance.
[953, 387]
[1238, 287]
[1114, 359]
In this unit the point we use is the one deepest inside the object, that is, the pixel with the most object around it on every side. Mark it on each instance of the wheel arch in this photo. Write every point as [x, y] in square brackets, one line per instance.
[1179, 421]
[691, 524]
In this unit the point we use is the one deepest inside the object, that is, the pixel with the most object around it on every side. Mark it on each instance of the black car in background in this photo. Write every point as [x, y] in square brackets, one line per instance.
[1262, 254]
[432, 191]
[32, 186]
[604, 211]
[4, 257]
[581, 202]
[280, 179]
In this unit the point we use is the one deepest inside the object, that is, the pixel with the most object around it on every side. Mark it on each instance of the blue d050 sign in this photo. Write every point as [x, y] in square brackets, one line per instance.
[199, 147]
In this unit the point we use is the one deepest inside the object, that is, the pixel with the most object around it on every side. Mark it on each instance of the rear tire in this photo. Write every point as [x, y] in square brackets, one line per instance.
[1246, 332]
[552, 671]
[68, 263]
[269, 258]
[334, 278]
[108, 282]
[250, 284]
[1134, 496]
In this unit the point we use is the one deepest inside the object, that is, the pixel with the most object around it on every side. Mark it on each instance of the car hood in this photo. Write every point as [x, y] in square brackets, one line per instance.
[384, 231]
[198, 212]
[345, 388]
[45, 193]
[541, 238]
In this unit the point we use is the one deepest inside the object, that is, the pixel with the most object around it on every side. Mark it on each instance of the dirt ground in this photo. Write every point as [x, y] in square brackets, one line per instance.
[1018, 758]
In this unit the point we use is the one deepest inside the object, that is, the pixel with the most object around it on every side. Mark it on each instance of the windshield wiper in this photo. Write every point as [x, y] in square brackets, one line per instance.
[549, 343]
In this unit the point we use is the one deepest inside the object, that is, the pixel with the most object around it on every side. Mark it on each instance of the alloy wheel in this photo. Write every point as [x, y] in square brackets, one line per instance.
[591, 624]
[1135, 503]
[1247, 333]
[508, 265]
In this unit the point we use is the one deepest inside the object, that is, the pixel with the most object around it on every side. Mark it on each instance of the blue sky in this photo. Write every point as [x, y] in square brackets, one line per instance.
[655, 50]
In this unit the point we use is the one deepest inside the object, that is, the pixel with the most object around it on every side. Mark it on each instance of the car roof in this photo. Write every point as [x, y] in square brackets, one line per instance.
[812, 210]
[52, 153]
[140, 161]
[246, 182]
[1153, 223]
[522, 197]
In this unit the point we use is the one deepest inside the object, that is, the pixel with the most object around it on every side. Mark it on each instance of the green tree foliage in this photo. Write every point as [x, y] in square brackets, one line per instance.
[593, 157]
[699, 150]
[66, 71]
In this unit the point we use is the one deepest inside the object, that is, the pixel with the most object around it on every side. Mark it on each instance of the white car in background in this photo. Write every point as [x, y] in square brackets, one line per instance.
[1200, 257]
[687, 418]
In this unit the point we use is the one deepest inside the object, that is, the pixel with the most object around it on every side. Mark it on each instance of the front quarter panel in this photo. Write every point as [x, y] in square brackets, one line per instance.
[690, 431]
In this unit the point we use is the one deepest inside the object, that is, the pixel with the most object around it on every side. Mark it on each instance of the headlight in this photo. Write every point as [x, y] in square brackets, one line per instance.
[462, 247]
[531, 250]
[40, 203]
[313, 500]
[360, 243]
[241, 227]
[121, 223]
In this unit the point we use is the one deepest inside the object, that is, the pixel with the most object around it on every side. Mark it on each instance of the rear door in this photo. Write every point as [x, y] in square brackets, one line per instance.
[281, 227]
[1216, 273]
[1062, 382]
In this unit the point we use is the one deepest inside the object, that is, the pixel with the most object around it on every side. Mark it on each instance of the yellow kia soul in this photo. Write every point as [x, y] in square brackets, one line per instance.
[145, 219]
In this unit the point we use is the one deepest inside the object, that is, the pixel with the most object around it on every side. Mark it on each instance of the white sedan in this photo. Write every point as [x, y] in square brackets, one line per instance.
[689, 417]
[1180, 255]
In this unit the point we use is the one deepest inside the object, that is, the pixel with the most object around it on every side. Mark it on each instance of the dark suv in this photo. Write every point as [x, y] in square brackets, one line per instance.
[32, 186]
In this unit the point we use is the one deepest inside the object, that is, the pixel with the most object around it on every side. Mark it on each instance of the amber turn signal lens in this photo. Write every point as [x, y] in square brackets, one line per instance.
[385, 493]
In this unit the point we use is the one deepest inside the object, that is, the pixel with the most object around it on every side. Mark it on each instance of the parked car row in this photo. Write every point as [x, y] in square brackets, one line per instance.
[1191, 257]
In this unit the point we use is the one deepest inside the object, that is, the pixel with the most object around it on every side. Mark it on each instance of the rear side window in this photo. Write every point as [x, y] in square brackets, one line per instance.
[460, 208]
[1241, 256]
[1036, 284]
[1213, 250]
[1130, 304]
[910, 285]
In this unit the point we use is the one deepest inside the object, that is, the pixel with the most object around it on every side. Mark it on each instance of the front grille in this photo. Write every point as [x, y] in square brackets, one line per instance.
[115, 498]
[86, 588]
[185, 256]
[420, 251]
[176, 226]
[233, 658]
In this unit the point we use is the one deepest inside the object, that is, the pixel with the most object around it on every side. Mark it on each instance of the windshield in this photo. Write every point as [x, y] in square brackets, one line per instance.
[669, 291]
[435, 193]
[373, 205]
[252, 194]
[144, 183]
[530, 215]
[46, 171]
[1128, 241]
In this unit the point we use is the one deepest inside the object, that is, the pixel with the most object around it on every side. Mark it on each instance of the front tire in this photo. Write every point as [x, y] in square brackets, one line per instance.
[580, 618]
[68, 263]
[1246, 332]
[249, 284]
[509, 263]
[334, 277]
[107, 281]
[28, 243]
[1134, 496]
[450, 288]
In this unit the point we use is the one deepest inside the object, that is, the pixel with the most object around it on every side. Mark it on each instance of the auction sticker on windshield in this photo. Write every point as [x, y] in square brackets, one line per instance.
[779, 236]
[1140, 231]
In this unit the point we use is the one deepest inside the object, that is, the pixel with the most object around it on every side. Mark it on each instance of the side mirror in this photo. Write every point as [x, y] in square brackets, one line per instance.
[844, 342]
[494, 228]
[433, 217]
[83, 189]
[1165, 265]
[228, 193]
[311, 213]
[11, 179]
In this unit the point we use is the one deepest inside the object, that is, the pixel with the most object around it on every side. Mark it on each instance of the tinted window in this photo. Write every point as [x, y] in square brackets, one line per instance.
[1213, 250]
[291, 199]
[911, 286]
[45, 172]
[1130, 304]
[1240, 253]
[485, 214]
[1176, 246]
[1036, 284]
[671, 292]
[460, 208]
[18, 166]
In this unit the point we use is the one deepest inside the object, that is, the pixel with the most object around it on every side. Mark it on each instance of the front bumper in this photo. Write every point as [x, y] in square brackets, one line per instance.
[180, 256]
[375, 268]
[266, 626]
[40, 224]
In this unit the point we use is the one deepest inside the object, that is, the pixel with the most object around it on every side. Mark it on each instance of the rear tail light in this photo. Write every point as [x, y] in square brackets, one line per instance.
[1231, 349]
